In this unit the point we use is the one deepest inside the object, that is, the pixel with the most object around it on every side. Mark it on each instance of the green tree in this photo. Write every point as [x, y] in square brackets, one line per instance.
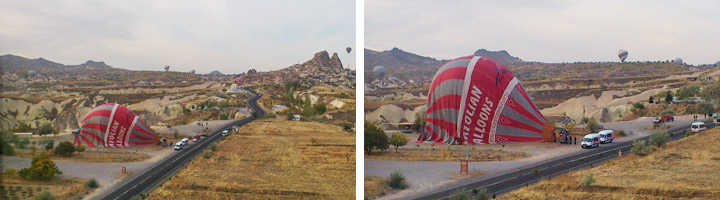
[5, 148]
[41, 168]
[44, 129]
[223, 116]
[419, 122]
[398, 140]
[639, 147]
[651, 100]
[320, 108]
[23, 143]
[710, 92]
[686, 92]
[80, 148]
[65, 148]
[668, 97]
[705, 108]
[659, 139]
[375, 138]
[48, 143]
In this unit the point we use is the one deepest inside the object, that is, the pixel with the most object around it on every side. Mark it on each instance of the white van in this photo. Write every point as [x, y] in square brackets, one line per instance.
[590, 140]
[697, 126]
[178, 146]
[606, 136]
[184, 141]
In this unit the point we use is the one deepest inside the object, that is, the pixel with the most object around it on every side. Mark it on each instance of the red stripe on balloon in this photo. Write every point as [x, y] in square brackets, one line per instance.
[449, 74]
[104, 113]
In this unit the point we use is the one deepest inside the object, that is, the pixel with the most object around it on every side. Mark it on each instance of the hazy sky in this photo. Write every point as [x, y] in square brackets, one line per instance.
[230, 36]
[549, 31]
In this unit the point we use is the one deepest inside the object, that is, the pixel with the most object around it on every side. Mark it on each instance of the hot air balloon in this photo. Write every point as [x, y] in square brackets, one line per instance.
[379, 71]
[167, 68]
[678, 60]
[475, 100]
[238, 80]
[192, 71]
[622, 54]
[32, 73]
[348, 49]
[113, 125]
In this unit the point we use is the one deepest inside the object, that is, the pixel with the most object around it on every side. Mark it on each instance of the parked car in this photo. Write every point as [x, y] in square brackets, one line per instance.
[196, 138]
[697, 127]
[590, 140]
[178, 146]
[668, 118]
[225, 133]
[606, 136]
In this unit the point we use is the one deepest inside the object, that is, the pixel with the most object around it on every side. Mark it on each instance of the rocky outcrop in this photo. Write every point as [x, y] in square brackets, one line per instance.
[335, 61]
[502, 56]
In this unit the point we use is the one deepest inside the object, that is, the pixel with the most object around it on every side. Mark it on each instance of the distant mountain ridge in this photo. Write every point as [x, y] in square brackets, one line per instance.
[502, 56]
[401, 64]
[13, 62]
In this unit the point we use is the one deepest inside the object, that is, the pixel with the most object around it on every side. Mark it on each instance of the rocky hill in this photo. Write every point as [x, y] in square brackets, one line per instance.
[13, 62]
[322, 69]
[502, 56]
[401, 64]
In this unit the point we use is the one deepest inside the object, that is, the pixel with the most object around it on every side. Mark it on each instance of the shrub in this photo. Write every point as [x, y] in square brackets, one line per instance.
[398, 140]
[320, 108]
[80, 148]
[659, 139]
[65, 148]
[176, 134]
[482, 194]
[314, 141]
[207, 154]
[44, 129]
[223, 116]
[10, 172]
[23, 143]
[5, 148]
[639, 147]
[47, 143]
[621, 132]
[397, 180]
[44, 195]
[213, 146]
[41, 168]
[591, 125]
[588, 181]
[460, 194]
[269, 115]
[92, 183]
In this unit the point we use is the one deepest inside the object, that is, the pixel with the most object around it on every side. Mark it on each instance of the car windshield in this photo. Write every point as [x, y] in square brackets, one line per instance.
[587, 139]
[602, 136]
[694, 126]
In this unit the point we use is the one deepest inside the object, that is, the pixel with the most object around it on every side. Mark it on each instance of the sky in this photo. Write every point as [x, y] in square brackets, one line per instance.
[205, 35]
[549, 31]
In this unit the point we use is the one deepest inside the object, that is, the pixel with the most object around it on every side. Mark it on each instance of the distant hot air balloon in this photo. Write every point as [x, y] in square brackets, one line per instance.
[678, 60]
[348, 49]
[113, 125]
[238, 80]
[192, 71]
[379, 71]
[622, 54]
[167, 68]
[32, 73]
[489, 105]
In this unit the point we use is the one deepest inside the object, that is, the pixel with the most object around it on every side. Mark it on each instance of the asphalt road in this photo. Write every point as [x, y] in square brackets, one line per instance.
[156, 174]
[510, 181]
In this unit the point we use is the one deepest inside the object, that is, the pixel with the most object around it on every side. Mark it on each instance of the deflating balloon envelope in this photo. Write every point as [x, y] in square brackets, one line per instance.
[379, 71]
[475, 100]
[113, 125]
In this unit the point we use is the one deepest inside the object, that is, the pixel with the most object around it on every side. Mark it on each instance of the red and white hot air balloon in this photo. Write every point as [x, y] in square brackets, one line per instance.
[475, 100]
[113, 125]
[238, 80]
[622, 54]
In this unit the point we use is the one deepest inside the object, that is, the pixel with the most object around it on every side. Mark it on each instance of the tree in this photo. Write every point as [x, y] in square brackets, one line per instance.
[668, 97]
[48, 143]
[41, 168]
[44, 129]
[651, 100]
[705, 108]
[710, 92]
[686, 92]
[420, 122]
[23, 143]
[375, 138]
[5, 148]
[591, 124]
[65, 148]
[223, 116]
[320, 108]
[80, 148]
[398, 140]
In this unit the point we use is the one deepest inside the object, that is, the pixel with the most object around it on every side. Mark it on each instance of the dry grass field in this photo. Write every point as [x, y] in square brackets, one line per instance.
[445, 153]
[13, 187]
[685, 169]
[90, 156]
[376, 187]
[271, 159]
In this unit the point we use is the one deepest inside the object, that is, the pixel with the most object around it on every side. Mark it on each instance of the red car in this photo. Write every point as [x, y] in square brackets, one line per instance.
[668, 118]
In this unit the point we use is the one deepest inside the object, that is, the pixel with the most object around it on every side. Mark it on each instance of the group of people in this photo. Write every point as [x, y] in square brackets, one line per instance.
[567, 138]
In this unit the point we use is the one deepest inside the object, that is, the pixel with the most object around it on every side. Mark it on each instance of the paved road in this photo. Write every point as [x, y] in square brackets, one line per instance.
[155, 175]
[512, 180]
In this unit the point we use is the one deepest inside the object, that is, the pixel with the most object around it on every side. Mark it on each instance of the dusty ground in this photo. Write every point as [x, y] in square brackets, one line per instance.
[376, 187]
[62, 188]
[687, 168]
[426, 175]
[272, 159]
[90, 156]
